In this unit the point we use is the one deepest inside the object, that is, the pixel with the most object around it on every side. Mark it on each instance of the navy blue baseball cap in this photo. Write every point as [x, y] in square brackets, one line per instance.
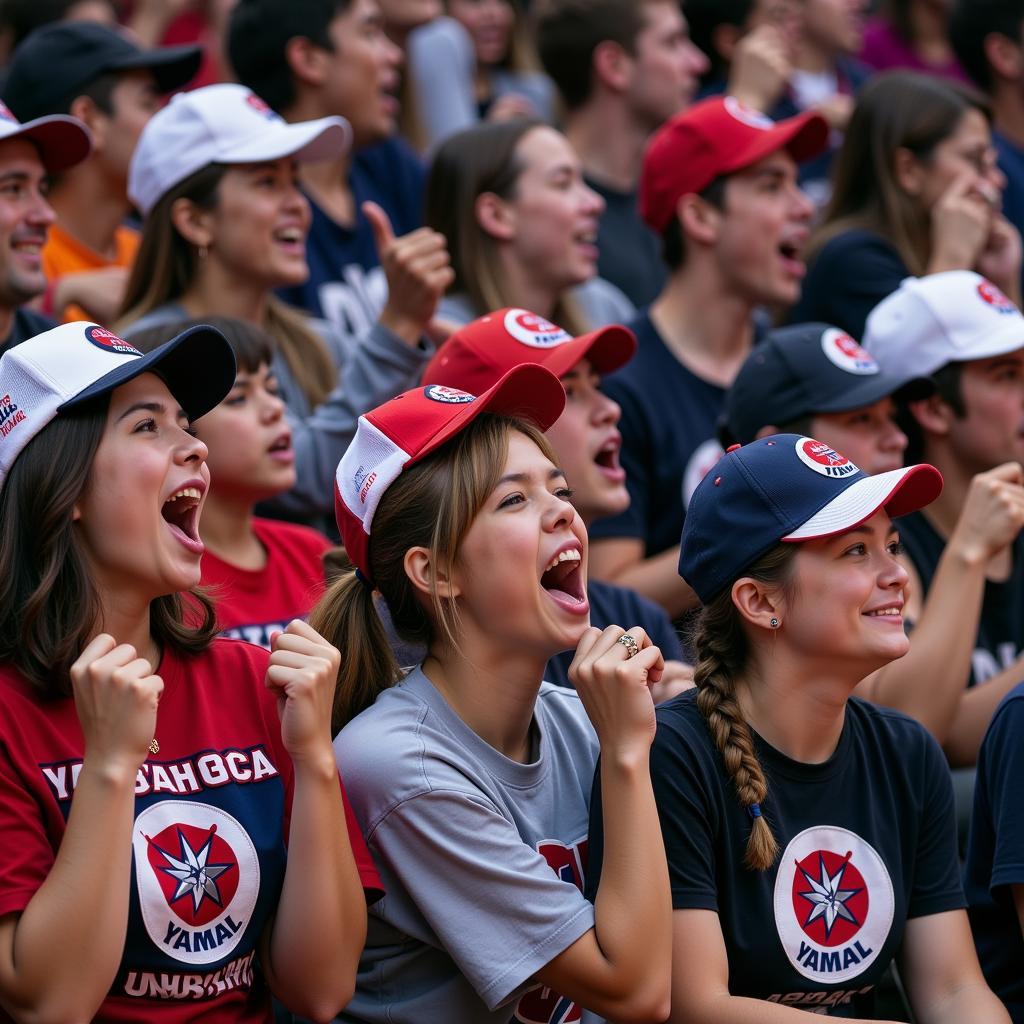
[785, 488]
[807, 369]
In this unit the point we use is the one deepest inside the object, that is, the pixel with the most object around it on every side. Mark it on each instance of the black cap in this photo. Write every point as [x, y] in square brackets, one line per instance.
[55, 60]
[803, 370]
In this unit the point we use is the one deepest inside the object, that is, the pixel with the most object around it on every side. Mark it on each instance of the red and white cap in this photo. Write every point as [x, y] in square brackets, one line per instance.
[950, 317]
[477, 355]
[405, 430]
[63, 141]
[223, 124]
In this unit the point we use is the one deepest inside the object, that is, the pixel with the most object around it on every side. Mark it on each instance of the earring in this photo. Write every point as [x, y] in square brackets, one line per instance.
[774, 623]
[204, 251]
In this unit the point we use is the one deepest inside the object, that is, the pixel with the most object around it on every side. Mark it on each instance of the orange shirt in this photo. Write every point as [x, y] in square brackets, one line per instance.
[64, 254]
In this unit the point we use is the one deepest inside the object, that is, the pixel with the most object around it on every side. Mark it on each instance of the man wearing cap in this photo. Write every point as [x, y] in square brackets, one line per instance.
[29, 154]
[959, 328]
[97, 74]
[719, 186]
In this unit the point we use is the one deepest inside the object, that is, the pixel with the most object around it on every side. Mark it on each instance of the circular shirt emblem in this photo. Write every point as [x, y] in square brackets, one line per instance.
[110, 342]
[450, 396]
[750, 117]
[705, 456]
[533, 330]
[198, 876]
[995, 298]
[833, 904]
[826, 461]
[844, 352]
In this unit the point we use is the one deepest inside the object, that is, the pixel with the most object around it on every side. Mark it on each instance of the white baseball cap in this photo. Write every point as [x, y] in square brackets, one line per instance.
[72, 363]
[224, 124]
[951, 317]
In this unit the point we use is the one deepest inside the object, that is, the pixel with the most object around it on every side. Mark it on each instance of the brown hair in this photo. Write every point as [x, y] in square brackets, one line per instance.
[49, 603]
[723, 650]
[431, 505]
[896, 110]
[167, 264]
[468, 164]
[252, 347]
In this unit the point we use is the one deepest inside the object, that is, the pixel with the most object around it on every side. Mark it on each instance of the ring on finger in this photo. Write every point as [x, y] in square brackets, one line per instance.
[629, 642]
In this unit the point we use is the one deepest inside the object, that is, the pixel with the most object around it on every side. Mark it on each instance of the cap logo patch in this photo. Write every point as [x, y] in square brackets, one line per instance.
[995, 298]
[10, 415]
[533, 330]
[844, 352]
[823, 460]
[747, 115]
[262, 108]
[110, 342]
[449, 396]
[364, 479]
[5, 113]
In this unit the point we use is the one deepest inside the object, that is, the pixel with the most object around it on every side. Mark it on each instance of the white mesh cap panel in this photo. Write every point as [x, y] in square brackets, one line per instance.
[367, 469]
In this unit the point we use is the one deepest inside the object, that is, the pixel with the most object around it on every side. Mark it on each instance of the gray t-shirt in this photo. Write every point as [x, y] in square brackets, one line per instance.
[482, 858]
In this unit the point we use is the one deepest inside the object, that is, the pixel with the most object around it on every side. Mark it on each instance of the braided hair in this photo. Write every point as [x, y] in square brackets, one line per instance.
[723, 649]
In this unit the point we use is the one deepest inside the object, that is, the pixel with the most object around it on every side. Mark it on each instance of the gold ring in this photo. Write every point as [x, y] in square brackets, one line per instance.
[154, 747]
[632, 649]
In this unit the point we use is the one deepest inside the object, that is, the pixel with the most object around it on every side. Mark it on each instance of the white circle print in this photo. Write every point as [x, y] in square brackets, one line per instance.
[833, 904]
[825, 461]
[533, 330]
[198, 877]
[841, 350]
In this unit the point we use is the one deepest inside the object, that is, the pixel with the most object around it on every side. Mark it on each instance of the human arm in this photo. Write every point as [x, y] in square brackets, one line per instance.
[1000, 259]
[621, 560]
[59, 955]
[98, 292]
[312, 950]
[961, 220]
[760, 68]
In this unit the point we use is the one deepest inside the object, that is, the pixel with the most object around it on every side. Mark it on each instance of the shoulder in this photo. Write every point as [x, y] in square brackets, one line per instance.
[565, 711]
[892, 732]
[292, 536]
[602, 303]
[457, 309]
[27, 324]
[440, 32]
[169, 312]
[1010, 712]
[624, 605]
[856, 242]
[391, 156]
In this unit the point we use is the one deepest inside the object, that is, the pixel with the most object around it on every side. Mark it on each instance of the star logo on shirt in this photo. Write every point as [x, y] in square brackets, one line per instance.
[193, 874]
[827, 897]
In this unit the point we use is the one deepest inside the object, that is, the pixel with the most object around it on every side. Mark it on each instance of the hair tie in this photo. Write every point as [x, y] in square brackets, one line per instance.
[754, 810]
[362, 579]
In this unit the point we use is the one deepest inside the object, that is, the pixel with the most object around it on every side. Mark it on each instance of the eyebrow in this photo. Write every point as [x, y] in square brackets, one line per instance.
[522, 478]
[154, 407]
[866, 530]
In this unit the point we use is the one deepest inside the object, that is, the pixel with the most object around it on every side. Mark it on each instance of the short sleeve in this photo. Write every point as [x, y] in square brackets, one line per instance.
[497, 907]
[26, 854]
[1004, 753]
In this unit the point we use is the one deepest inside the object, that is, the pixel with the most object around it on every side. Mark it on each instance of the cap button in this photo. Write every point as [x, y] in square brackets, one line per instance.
[732, 448]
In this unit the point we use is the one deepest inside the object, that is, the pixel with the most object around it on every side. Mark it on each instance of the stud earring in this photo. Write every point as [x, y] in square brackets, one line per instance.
[774, 623]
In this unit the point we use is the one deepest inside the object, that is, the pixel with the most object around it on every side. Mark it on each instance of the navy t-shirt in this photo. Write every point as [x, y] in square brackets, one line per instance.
[620, 606]
[1011, 163]
[27, 323]
[995, 853]
[346, 284]
[668, 440]
[868, 841]
[851, 274]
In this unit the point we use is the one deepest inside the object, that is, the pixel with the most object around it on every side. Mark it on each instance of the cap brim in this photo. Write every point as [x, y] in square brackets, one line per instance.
[307, 141]
[804, 137]
[198, 367]
[994, 343]
[606, 349]
[899, 492]
[528, 391]
[874, 388]
[63, 141]
[172, 66]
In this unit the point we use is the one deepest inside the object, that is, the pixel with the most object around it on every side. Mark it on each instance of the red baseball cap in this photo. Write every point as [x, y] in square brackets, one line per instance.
[477, 355]
[714, 137]
[405, 430]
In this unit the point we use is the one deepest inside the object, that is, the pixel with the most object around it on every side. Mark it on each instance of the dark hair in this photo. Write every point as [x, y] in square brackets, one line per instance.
[673, 242]
[568, 32]
[257, 37]
[972, 21]
[723, 649]
[896, 110]
[948, 387]
[20, 17]
[705, 17]
[253, 347]
[49, 603]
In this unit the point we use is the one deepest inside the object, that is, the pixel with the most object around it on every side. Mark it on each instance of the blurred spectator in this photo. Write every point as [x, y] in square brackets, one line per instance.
[18, 18]
[912, 34]
[100, 76]
[404, 16]
[917, 191]
[521, 225]
[622, 68]
[476, 64]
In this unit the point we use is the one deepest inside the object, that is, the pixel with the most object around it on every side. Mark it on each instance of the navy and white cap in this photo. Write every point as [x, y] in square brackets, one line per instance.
[804, 370]
[785, 488]
[70, 364]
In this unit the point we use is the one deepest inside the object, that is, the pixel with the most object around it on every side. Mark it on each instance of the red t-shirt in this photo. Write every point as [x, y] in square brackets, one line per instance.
[216, 797]
[254, 604]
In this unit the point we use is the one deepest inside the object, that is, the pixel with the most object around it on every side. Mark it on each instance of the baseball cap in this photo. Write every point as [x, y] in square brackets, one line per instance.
[405, 430]
[717, 136]
[806, 369]
[475, 356]
[55, 60]
[785, 488]
[63, 141]
[64, 367]
[950, 317]
[225, 124]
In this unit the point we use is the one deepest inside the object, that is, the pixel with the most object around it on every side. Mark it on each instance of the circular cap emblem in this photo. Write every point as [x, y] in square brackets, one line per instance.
[450, 396]
[995, 298]
[833, 904]
[844, 352]
[750, 117]
[826, 461]
[262, 108]
[533, 330]
[110, 342]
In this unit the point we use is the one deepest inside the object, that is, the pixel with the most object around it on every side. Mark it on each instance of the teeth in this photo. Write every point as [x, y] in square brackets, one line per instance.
[565, 556]
[185, 492]
[887, 611]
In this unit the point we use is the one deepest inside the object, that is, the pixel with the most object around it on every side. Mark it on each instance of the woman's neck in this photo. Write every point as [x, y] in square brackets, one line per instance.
[525, 289]
[217, 292]
[226, 530]
[125, 616]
